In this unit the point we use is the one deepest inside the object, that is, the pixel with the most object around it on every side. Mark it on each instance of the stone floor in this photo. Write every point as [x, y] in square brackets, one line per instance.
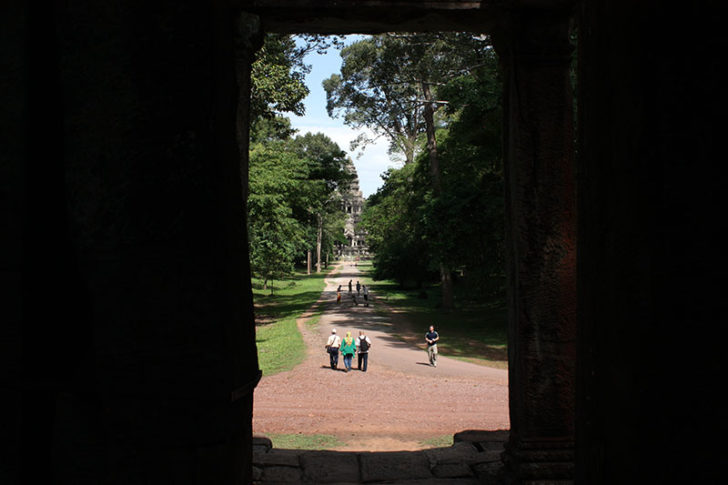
[474, 458]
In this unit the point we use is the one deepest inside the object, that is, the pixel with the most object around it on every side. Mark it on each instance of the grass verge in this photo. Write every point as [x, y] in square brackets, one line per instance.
[280, 344]
[442, 441]
[304, 441]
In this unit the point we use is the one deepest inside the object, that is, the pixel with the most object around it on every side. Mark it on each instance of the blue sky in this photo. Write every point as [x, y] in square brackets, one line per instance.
[374, 160]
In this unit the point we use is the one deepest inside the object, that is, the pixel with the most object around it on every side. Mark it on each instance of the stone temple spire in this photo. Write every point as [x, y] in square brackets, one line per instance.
[352, 203]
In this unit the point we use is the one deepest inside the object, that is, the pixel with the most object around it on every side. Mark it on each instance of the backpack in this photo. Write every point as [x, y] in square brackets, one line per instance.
[363, 344]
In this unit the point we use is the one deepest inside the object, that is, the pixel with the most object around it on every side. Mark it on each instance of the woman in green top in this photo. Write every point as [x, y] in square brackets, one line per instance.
[348, 349]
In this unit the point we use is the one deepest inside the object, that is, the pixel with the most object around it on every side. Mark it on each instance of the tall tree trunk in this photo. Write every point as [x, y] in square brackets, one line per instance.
[319, 238]
[429, 116]
[308, 261]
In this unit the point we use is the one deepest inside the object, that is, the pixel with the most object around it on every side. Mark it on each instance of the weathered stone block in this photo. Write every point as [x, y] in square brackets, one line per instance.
[277, 457]
[462, 452]
[478, 435]
[282, 475]
[328, 467]
[394, 466]
[452, 470]
[262, 444]
[439, 481]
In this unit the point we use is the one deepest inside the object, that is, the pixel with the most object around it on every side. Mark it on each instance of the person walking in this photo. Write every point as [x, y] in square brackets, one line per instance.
[366, 294]
[348, 349]
[363, 345]
[431, 338]
[338, 294]
[332, 347]
[358, 287]
[349, 286]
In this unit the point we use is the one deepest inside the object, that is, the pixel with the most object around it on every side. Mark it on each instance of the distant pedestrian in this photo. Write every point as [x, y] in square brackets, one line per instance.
[338, 296]
[431, 338]
[364, 344]
[349, 286]
[366, 294]
[348, 349]
[332, 347]
[358, 287]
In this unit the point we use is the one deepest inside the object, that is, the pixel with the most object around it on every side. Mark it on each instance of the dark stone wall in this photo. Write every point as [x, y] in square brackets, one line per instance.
[541, 225]
[13, 116]
[130, 335]
[127, 336]
[651, 256]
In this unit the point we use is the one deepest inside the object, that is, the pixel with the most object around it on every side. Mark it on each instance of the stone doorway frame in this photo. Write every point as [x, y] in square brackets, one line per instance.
[535, 52]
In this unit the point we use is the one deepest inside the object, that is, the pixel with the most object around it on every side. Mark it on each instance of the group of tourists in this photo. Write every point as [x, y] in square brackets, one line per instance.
[348, 347]
[361, 290]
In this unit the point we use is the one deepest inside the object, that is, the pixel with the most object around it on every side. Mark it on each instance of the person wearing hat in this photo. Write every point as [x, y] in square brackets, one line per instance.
[332, 347]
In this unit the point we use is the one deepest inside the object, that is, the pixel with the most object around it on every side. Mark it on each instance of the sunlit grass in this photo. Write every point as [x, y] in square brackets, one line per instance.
[304, 441]
[442, 441]
[280, 345]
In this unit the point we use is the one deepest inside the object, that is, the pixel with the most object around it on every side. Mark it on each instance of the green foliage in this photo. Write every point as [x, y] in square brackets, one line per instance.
[275, 236]
[415, 225]
[327, 177]
[395, 232]
[278, 74]
[368, 94]
[293, 204]
[277, 78]
[381, 82]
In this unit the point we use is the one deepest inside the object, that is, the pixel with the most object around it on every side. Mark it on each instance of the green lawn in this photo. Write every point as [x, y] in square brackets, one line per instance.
[280, 345]
[304, 441]
[442, 441]
[473, 331]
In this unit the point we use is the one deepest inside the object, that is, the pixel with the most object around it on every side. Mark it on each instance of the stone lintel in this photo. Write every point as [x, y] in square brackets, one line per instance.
[371, 17]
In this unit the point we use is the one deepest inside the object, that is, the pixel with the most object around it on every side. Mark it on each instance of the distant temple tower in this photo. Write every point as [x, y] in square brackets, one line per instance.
[352, 203]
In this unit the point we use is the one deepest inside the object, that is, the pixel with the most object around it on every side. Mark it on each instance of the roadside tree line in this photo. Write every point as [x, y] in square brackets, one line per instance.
[437, 98]
[295, 182]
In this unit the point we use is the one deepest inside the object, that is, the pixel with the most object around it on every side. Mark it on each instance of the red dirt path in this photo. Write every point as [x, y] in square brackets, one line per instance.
[396, 404]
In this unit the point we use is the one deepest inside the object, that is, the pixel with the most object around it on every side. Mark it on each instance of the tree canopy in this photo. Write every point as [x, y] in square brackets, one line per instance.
[443, 211]
[293, 180]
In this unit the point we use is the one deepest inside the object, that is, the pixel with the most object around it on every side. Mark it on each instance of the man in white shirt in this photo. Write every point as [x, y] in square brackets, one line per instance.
[332, 347]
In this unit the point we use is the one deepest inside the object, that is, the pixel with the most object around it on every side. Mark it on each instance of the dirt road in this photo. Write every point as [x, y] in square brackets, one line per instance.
[400, 401]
